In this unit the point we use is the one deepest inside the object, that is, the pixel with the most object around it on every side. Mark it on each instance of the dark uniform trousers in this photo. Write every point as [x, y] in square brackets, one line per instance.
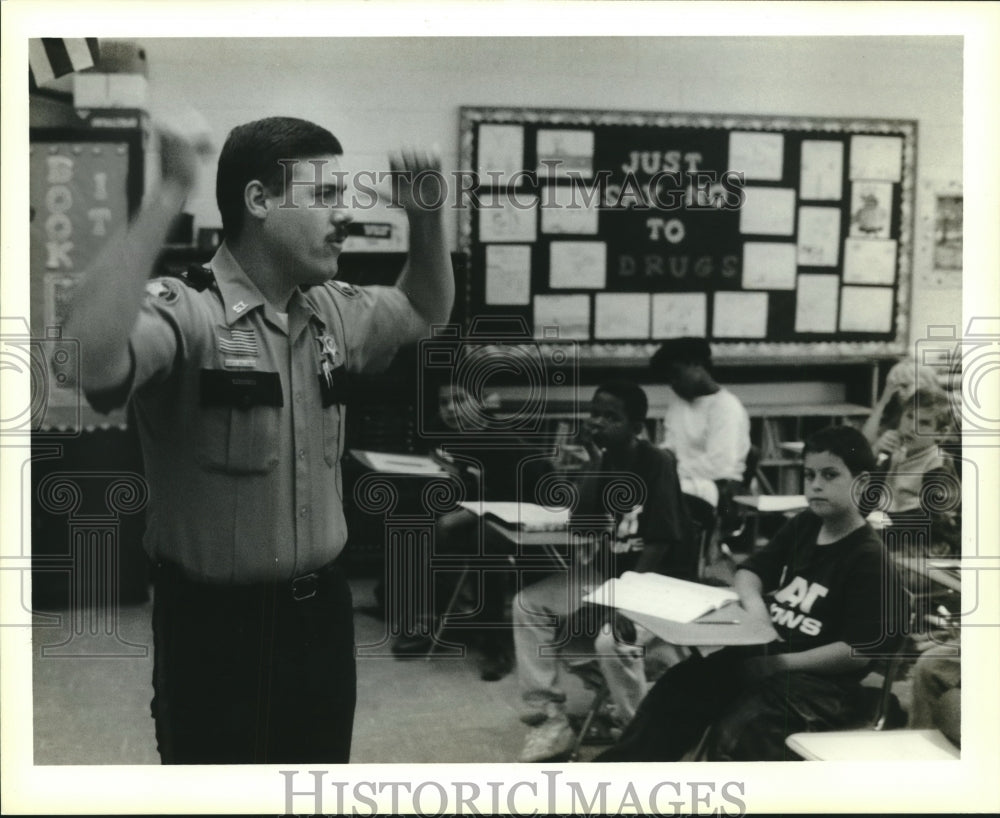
[256, 674]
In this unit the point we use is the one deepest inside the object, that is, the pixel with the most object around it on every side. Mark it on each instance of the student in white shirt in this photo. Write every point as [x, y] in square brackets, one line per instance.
[707, 428]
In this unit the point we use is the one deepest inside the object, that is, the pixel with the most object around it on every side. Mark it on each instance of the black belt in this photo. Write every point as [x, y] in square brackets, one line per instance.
[299, 588]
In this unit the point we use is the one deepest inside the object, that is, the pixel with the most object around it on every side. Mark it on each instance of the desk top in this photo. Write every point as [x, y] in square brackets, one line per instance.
[818, 410]
[720, 628]
[773, 503]
[389, 463]
[874, 745]
[944, 571]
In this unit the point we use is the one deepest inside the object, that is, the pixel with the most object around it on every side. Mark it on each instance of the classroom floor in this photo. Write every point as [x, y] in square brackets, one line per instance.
[95, 709]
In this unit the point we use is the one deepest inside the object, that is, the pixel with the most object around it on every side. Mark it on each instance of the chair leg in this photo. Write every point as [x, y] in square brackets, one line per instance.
[699, 751]
[881, 718]
[600, 697]
[439, 627]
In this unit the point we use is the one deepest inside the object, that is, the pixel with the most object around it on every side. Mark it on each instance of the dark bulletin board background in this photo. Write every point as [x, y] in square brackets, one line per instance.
[709, 257]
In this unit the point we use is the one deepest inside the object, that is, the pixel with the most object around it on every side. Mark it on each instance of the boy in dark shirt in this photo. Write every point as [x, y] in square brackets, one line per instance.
[824, 582]
[636, 488]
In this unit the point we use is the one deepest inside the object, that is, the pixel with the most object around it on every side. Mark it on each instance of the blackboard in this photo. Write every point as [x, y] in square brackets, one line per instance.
[774, 237]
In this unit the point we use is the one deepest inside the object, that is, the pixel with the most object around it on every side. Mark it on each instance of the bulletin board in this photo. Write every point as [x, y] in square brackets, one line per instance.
[84, 186]
[773, 237]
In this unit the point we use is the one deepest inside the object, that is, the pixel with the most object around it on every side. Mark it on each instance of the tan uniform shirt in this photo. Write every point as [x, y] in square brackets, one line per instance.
[241, 418]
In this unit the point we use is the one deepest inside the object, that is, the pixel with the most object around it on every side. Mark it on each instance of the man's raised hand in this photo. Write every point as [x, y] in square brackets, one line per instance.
[183, 144]
[418, 184]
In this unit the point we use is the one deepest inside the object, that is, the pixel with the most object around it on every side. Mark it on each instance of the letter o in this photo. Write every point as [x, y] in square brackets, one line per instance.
[441, 794]
[58, 227]
[673, 231]
[58, 199]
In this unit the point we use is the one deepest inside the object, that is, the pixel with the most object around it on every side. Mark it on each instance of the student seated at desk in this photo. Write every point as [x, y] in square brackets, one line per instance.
[660, 527]
[905, 378]
[920, 479]
[822, 583]
[707, 429]
[937, 690]
[495, 468]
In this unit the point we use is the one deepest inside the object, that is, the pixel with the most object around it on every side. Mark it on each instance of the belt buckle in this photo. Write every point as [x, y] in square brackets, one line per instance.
[304, 587]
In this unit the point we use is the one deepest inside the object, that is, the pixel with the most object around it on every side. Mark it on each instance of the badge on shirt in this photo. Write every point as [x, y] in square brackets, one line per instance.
[163, 290]
[238, 347]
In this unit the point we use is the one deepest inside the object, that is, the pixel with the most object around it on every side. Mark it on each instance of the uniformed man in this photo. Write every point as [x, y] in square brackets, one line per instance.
[237, 381]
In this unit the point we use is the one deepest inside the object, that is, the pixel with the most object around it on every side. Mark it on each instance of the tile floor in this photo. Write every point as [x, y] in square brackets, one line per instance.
[92, 708]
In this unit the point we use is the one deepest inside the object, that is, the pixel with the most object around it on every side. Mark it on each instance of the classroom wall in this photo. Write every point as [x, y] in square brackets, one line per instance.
[379, 93]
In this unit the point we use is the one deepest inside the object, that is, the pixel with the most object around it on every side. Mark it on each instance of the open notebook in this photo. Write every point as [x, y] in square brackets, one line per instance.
[774, 502]
[397, 463]
[660, 596]
[521, 516]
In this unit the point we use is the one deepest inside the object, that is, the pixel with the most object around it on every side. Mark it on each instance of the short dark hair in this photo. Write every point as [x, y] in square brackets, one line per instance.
[681, 351]
[845, 442]
[632, 396]
[252, 152]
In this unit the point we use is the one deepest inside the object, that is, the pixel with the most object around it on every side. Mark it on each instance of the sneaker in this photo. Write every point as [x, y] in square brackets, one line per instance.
[494, 666]
[533, 716]
[552, 740]
[411, 645]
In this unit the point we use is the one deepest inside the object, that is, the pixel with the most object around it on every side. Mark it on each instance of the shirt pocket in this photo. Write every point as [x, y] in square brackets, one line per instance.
[333, 389]
[239, 421]
[333, 434]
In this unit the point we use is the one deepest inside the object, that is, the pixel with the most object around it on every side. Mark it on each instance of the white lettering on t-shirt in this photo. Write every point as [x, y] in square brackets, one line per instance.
[800, 594]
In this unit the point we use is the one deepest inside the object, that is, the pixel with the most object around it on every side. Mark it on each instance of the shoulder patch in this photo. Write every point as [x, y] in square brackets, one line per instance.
[163, 290]
[347, 289]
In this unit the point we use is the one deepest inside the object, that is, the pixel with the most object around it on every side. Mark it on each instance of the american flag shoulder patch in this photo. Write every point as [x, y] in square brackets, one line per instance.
[237, 342]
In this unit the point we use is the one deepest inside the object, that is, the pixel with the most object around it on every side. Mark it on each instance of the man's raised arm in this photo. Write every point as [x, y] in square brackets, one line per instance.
[427, 278]
[106, 304]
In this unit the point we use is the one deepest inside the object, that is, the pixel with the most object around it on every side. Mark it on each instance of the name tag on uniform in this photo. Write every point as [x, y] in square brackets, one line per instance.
[240, 363]
[240, 390]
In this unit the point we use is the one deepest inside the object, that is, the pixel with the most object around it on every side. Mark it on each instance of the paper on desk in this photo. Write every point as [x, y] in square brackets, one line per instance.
[681, 612]
[661, 596]
[397, 463]
[525, 516]
[775, 502]
[721, 628]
